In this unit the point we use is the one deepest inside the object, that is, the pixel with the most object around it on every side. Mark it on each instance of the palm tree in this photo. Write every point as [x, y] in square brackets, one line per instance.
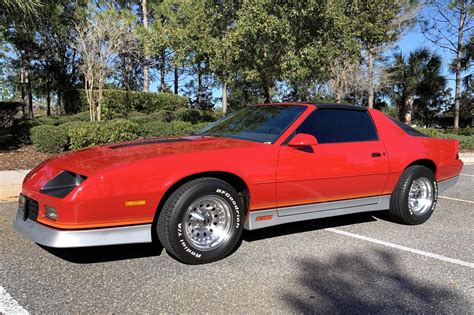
[413, 77]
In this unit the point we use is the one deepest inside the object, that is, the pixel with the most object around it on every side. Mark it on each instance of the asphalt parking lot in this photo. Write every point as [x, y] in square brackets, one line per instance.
[359, 264]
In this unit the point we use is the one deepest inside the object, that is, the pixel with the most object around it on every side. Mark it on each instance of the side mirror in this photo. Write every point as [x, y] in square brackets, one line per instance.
[302, 140]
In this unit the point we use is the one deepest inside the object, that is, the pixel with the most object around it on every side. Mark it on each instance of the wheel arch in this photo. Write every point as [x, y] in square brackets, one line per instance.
[425, 162]
[232, 179]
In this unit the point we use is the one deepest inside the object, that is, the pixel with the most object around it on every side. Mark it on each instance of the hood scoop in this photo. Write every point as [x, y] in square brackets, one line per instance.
[147, 142]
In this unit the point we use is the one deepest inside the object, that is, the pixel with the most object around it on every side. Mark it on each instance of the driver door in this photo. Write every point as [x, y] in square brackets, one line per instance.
[348, 162]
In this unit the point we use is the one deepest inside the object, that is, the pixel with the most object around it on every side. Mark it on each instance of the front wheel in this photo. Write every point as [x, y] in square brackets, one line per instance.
[201, 221]
[415, 196]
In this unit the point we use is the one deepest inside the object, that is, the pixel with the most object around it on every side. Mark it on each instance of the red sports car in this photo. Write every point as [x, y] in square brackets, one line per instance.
[262, 166]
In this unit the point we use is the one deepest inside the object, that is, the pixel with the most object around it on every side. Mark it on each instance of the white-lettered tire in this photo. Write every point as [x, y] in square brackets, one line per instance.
[202, 221]
[415, 196]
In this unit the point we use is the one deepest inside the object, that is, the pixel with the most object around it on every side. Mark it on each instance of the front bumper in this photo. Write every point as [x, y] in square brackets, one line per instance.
[47, 236]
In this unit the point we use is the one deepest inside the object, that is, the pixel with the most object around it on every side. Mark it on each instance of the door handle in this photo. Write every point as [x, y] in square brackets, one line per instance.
[376, 154]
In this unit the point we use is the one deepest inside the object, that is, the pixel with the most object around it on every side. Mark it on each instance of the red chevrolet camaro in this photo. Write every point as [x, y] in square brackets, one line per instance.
[262, 166]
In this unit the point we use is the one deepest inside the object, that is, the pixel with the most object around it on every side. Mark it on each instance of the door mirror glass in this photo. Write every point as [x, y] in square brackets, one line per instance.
[303, 140]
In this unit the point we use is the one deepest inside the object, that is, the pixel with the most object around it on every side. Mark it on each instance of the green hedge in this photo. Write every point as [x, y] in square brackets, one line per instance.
[117, 103]
[159, 116]
[169, 129]
[47, 138]
[83, 135]
[195, 116]
[21, 130]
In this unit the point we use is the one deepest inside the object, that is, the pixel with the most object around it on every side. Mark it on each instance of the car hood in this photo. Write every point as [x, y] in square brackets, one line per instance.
[88, 161]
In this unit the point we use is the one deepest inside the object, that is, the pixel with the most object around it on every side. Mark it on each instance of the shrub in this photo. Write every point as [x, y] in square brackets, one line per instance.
[164, 115]
[83, 135]
[8, 111]
[153, 102]
[196, 116]
[88, 134]
[210, 116]
[199, 126]
[168, 129]
[117, 103]
[160, 116]
[67, 126]
[462, 131]
[50, 120]
[135, 114]
[430, 131]
[49, 139]
[82, 116]
[189, 115]
[21, 130]
[119, 130]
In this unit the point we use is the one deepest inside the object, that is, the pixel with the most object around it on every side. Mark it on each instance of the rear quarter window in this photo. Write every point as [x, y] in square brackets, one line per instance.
[409, 130]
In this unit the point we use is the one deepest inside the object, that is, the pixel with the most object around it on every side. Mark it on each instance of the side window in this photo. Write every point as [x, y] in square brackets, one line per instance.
[339, 125]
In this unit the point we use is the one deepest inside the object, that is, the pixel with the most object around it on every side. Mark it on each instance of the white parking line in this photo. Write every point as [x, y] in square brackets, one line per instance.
[456, 199]
[470, 175]
[404, 248]
[8, 305]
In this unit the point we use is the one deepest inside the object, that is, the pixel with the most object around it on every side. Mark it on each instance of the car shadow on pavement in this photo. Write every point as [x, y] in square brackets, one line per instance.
[313, 225]
[89, 255]
[373, 283]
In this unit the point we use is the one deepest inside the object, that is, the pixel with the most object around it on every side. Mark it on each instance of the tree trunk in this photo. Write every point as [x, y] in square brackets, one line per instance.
[48, 99]
[457, 95]
[370, 78]
[224, 98]
[200, 88]
[176, 80]
[98, 115]
[338, 89]
[268, 93]
[29, 94]
[146, 75]
[58, 102]
[163, 70]
[408, 109]
[23, 92]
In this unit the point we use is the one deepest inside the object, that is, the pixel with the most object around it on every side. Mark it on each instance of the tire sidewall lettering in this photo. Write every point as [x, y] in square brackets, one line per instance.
[233, 203]
[184, 244]
[435, 197]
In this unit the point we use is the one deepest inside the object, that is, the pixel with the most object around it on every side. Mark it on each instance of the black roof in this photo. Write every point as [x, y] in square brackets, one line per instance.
[338, 106]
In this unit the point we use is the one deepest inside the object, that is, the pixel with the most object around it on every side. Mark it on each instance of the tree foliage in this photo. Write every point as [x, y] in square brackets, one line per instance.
[415, 81]
[253, 50]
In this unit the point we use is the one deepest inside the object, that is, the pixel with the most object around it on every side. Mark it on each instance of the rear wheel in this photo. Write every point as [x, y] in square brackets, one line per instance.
[415, 196]
[201, 221]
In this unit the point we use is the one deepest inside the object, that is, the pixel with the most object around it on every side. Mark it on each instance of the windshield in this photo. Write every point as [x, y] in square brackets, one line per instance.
[255, 123]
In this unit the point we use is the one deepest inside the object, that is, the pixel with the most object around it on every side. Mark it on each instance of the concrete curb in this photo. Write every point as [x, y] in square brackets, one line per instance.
[467, 158]
[10, 181]
[10, 184]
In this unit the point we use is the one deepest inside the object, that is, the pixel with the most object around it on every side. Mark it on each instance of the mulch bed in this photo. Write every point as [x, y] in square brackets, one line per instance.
[21, 158]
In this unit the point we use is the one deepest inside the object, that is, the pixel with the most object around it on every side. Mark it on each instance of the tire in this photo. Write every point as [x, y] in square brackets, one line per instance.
[415, 206]
[202, 221]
